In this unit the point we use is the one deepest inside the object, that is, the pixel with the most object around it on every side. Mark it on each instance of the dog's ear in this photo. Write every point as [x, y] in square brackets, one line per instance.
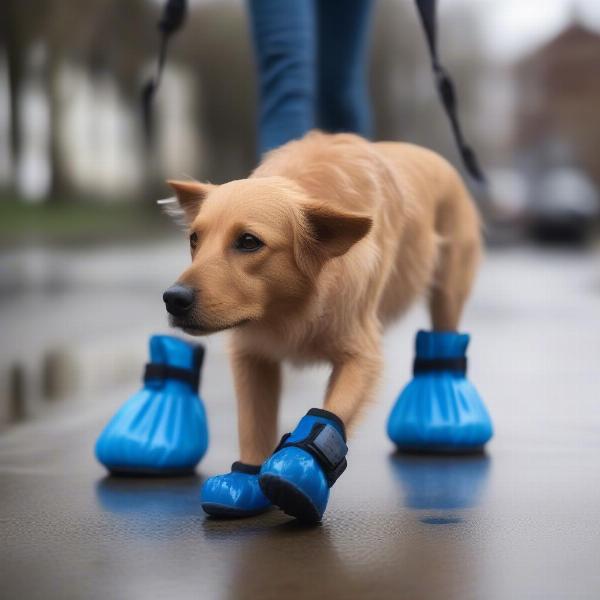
[333, 232]
[190, 195]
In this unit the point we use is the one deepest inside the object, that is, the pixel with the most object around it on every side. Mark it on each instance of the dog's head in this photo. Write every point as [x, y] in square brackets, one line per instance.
[257, 248]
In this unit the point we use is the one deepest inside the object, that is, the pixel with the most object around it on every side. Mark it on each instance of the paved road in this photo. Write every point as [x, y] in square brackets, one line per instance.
[522, 521]
[91, 306]
[51, 295]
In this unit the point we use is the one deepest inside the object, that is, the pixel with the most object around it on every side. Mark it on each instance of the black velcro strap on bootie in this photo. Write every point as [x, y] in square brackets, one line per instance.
[160, 372]
[240, 467]
[327, 445]
[432, 365]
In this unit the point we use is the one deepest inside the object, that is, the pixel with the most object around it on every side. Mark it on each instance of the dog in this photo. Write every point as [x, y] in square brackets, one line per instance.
[307, 260]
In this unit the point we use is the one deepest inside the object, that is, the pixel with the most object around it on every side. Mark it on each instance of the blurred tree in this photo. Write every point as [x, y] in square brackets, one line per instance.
[216, 46]
[123, 46]
[21, 25]
[116, 41]
[102, 37]
[397, 54]
[105, 38]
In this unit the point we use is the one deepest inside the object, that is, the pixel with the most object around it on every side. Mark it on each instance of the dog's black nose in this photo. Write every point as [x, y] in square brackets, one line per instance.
[178, 299]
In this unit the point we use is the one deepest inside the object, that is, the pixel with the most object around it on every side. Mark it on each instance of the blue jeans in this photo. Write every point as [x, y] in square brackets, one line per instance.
[311, 59]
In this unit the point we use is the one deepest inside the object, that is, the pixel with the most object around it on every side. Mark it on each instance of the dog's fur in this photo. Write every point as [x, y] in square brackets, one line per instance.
[354, 232]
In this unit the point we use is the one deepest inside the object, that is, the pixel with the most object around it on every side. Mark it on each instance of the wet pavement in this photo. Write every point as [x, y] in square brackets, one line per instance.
[87, 308]
[52, 295]
[521, 521]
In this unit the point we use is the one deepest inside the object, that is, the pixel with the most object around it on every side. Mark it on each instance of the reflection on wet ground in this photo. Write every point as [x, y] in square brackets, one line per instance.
[161, 498]
[441, 485]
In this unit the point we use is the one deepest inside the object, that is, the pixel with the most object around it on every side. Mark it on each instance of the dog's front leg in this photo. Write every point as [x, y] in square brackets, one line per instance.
[257, 386]
[237, 493]
[352, 383]
[309, 460]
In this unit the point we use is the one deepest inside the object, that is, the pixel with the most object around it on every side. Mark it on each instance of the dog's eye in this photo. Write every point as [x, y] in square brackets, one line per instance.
[248, 243]
[193, 240]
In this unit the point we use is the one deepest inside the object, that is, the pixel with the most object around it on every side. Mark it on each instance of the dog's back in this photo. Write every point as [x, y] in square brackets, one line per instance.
[416, 200]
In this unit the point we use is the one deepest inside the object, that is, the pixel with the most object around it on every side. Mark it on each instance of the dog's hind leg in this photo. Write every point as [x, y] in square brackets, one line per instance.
[440, 410]
[459, 251]
[237, 494]
[454, 275]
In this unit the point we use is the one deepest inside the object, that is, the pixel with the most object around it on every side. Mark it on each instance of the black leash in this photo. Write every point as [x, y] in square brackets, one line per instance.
[171, 20]
[446, 89]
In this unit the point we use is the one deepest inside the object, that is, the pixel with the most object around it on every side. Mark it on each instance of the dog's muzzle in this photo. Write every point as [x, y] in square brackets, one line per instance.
[179, 300]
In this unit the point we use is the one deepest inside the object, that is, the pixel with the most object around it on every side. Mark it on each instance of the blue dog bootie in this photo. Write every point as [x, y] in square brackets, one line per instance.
[234, 494]
[440, 410]
[307, 462]
[161, 429]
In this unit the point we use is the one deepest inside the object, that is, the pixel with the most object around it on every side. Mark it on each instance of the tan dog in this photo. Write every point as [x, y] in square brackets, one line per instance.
[328, 240]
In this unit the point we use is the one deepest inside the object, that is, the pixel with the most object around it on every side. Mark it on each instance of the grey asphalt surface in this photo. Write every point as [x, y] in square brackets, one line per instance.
[522, 521]
[93, 306]
[53, 295]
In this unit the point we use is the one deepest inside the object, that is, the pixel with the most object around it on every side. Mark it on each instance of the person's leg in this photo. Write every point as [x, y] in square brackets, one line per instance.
[343, 97]
[285, 47]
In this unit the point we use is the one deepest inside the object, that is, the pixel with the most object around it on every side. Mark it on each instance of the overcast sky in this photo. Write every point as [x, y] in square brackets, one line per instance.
[513, 27]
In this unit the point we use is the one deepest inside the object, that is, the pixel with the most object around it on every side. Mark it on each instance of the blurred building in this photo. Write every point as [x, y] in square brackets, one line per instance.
[558, 95]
